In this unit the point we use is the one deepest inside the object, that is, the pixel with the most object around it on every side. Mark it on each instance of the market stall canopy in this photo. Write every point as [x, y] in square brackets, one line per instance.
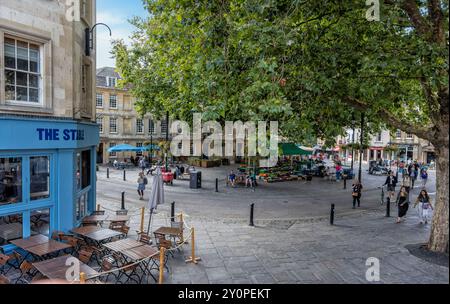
[293, 149]
[150, 147]
[124, 148]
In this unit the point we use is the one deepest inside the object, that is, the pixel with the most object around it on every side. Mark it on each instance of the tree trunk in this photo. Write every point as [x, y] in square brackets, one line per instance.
[439, 230]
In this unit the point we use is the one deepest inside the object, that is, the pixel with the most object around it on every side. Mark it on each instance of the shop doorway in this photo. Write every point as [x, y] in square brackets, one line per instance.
[100, 153]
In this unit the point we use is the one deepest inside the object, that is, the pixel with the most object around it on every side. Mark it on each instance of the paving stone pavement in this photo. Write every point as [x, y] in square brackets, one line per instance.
[306, 252]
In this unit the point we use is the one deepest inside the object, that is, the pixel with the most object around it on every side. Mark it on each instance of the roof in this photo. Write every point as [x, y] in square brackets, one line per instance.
[103, 73]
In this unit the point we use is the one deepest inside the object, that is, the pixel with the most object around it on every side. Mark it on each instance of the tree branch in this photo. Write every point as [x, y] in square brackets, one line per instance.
[436, 15]
[423, 132]
[420, 23]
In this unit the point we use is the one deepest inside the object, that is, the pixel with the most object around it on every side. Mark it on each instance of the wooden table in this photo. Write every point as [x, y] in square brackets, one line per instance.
[95, 219]
[55, 269]
[47, 248]
[85, 230]
[103, 234]
[10, 231]
[141, 252]
[174, 232]
[121, 245]
[118, 218]
[31, 241]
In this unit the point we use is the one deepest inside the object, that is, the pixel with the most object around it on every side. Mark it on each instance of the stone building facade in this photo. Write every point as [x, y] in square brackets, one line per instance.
[118, 120]
[47, 116]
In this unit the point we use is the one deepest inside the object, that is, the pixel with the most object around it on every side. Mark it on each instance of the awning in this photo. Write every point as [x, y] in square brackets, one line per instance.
[124, 148]
[293, 149]
[149, 147]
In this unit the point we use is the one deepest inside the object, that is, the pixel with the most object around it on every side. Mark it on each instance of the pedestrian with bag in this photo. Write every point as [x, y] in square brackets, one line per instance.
[142, 182]
[425, 206]
[356, 193]
[391, 183]
[424, 177]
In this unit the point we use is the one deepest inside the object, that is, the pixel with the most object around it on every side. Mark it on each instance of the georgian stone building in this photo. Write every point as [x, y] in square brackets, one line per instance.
[118, 120]
[47, 116]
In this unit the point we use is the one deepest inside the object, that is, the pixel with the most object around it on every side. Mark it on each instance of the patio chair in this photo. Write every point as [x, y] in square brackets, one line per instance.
[85, 256]
[144, 238]
[56, 235]
[4, 280]
[98, 212]
[73, 241]
[26, 273]
[3, 263]
[125, 229]
[106, 265]
[178, 225]
[161, 242]
[117, 226]
[130, 271]
[122, 212]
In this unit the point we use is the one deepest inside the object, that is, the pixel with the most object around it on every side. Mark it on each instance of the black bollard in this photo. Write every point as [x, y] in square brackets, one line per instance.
[172, 212]
[388, 207]
[345, 182]
[252, 211]
[332, 215]
[124, 175]
[107, 172]
[123, 200]
[217, 185]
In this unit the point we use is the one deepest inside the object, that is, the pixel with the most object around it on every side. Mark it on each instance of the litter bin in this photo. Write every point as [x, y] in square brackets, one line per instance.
[196, 180]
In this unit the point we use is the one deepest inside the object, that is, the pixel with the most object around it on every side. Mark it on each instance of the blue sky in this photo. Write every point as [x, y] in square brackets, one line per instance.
[114, 13]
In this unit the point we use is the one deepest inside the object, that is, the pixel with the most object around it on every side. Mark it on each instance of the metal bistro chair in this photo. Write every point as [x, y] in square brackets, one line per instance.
[122, 212]
[98, 212]
[26, 273]
[178, 225]
[161, 242]
[144, 238]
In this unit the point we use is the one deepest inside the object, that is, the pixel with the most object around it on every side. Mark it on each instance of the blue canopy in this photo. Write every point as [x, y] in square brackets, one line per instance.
[124, 148]
[149, 147]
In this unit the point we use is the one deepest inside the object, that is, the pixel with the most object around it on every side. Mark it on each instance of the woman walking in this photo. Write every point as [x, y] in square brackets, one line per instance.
[425, 207]
[142, 181]
[356, 193]
[424, 177]
[402, 203]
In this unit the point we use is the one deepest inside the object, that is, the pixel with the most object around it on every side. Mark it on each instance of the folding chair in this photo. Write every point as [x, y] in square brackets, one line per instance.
[122, 212]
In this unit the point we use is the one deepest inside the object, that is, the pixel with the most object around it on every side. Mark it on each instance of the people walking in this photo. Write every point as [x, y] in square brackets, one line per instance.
[425, 206]
[424, 177]
[391, 183]
[142, 181]
[356, 193]
[402, 203]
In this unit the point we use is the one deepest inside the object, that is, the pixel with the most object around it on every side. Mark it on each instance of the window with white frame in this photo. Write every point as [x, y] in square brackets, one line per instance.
[151, 126]
[409, 136]
[139, 126]
[113, 101]
[100, 123]
[111, 145]
[112, 82]
[99, 100]
[112, 125]
[23, 79]
[398, 134]
[378, 137]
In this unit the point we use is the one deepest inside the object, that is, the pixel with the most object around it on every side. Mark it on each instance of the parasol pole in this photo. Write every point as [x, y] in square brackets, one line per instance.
[149, 221]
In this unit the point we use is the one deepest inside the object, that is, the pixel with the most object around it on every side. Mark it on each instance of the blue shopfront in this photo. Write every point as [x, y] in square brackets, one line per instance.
[47, 174]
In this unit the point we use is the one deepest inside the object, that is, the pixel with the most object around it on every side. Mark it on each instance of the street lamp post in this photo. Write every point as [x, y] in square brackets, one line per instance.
[167, 139]
[353, 141]
[361, 148]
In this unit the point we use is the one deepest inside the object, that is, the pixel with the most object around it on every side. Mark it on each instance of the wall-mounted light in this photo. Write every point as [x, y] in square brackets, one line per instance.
[89, 38]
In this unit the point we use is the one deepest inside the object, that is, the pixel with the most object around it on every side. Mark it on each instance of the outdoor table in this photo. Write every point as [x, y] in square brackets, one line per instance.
[103, 235]
[43, 250]
[55, 269]
[85, 230]
[170, 231]
[95, 219]
[10, 231]
[121, 245]
[118, 218]
[31, 241]
[141, 253]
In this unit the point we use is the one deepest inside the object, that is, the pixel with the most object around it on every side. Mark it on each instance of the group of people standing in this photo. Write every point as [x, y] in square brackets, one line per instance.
[402, 198]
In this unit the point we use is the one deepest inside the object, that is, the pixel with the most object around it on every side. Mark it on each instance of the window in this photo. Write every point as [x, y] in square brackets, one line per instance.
[10, 227]
[99, 121]
[409, 136]
[99, 100]
[113, 154]
[378, 138]
[151, 126]
[398, 134]
[83, 172]
[39, 178]
[139, 145]
[23, 81]
[112, 125]
[112, 81]
[81, 206]
[10, 181]
[113, 101]
[164, 126]
[139, 126]
[40, 221]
